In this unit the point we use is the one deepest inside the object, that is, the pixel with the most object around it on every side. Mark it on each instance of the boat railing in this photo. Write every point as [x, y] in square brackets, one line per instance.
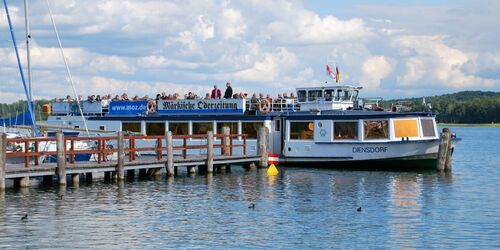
[103, 146]
[277, 105]
[98, 108]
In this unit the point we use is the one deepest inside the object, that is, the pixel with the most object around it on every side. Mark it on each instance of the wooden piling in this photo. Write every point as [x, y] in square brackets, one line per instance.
[3, 159]
[444, 150]
[61, 158]
[222, 168]
[210, 152]
[75, 179]
[107, 176]
[88, 177]
[131, 174]
[262, 149]
[47, 179]
[120, 167]
[170, 154]
[226, 141]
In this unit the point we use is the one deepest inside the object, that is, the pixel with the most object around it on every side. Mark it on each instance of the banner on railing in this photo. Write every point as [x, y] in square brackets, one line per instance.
[61, 107]
[92, 107]
[127, 107]
[204, 106]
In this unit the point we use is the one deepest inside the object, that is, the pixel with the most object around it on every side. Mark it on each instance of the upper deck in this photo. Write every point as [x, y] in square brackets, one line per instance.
[308, 99]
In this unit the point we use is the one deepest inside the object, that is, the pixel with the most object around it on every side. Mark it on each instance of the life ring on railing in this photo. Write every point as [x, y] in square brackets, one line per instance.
[264, 106]
[151, 106]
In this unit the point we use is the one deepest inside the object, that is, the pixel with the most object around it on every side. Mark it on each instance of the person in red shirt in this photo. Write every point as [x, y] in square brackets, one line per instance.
[216, 93]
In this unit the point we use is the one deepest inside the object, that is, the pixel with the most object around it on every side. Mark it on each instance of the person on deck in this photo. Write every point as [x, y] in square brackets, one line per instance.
[216, 93]
[229, 91]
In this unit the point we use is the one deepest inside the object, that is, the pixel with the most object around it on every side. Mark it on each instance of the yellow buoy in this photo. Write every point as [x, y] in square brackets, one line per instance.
[272, 170]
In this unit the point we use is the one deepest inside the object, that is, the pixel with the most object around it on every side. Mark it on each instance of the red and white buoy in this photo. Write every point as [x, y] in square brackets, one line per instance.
[273, 158]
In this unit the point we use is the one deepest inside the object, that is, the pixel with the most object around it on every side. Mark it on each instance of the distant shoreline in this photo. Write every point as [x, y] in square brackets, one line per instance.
[491, 125]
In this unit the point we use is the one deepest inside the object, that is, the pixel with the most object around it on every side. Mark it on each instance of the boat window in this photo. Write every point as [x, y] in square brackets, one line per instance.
[202, 127]
[345, 130]
[301, 130]
[428, 127]
[405, 128]
[131, 127]
[314, 95]
[178, 128]
[233, 127]
[250, 128]
[355, 95]
[329, 93]
[376, 129]
[347, 95]
[155, 128]
[102, 127]
[301, 95]
[277, 126]
[340, 95]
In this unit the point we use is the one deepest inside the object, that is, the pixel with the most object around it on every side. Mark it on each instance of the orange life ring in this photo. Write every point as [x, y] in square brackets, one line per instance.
[261, 106]
[151, 106]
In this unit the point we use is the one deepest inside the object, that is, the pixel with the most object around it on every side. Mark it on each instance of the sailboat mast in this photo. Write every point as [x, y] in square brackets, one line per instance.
[13, 36]
[28, 41]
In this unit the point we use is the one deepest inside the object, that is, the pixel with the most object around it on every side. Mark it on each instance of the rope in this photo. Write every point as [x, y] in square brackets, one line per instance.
[67, 68]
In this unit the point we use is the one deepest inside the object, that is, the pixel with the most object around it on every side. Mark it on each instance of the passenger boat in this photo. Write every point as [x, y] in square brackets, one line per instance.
[322, 125]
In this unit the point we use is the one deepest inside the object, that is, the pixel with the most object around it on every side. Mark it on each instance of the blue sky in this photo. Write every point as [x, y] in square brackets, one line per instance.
[392, 48]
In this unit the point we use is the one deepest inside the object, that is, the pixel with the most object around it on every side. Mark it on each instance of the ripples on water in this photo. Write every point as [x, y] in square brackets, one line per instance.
[299, 208]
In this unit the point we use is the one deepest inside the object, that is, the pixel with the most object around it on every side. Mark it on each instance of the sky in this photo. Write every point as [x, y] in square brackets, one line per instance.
[394, 49]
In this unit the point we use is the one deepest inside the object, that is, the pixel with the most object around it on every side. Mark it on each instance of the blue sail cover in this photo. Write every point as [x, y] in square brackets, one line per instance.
[21, 119]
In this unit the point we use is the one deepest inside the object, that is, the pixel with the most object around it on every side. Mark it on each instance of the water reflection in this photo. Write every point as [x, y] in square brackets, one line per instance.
[298, 208]
[405, 212]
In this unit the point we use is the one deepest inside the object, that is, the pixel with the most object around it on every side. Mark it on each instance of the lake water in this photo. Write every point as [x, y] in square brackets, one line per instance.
[300, 208]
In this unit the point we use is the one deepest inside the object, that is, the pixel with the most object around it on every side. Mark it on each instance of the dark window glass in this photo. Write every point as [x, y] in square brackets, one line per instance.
[329, 94]
[250, 128]
[376, 129]
[314, 94]
[233, 127]
[134, 127]
[345, 130]
[428, 128]
[301, 95]
[301, 130]
[178, 128]
[155, 128]
[202, 127]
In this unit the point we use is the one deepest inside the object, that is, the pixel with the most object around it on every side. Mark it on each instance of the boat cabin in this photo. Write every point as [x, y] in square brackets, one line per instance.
[328, 98]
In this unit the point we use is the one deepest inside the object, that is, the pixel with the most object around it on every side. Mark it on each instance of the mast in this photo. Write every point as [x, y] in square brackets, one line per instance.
[30, 104]
[28, 41]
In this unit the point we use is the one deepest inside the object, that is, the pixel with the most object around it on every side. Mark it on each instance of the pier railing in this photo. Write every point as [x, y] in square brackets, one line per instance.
[102, 148]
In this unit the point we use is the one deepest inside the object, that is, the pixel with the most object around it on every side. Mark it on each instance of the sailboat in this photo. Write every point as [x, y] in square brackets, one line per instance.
[29, 116]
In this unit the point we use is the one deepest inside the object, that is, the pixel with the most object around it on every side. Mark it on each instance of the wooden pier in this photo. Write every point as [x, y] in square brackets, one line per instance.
[118, 161]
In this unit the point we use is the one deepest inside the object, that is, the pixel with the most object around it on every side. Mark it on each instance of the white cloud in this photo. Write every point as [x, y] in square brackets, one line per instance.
[310, 28]
[374, 70]
[150, 45]
[429, 59]
[269, 68]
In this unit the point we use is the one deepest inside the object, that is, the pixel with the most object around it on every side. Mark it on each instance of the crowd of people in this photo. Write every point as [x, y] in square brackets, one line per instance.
[215, 93]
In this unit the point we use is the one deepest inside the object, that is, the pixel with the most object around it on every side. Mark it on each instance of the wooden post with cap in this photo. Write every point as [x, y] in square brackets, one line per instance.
[444, 149]
[262, 148]
[170, 154]
[120, 166]
[210, 152]
[61, 158]
[3, 159]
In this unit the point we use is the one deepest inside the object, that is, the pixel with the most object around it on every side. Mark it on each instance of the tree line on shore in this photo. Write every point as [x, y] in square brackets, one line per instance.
[461, 107]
